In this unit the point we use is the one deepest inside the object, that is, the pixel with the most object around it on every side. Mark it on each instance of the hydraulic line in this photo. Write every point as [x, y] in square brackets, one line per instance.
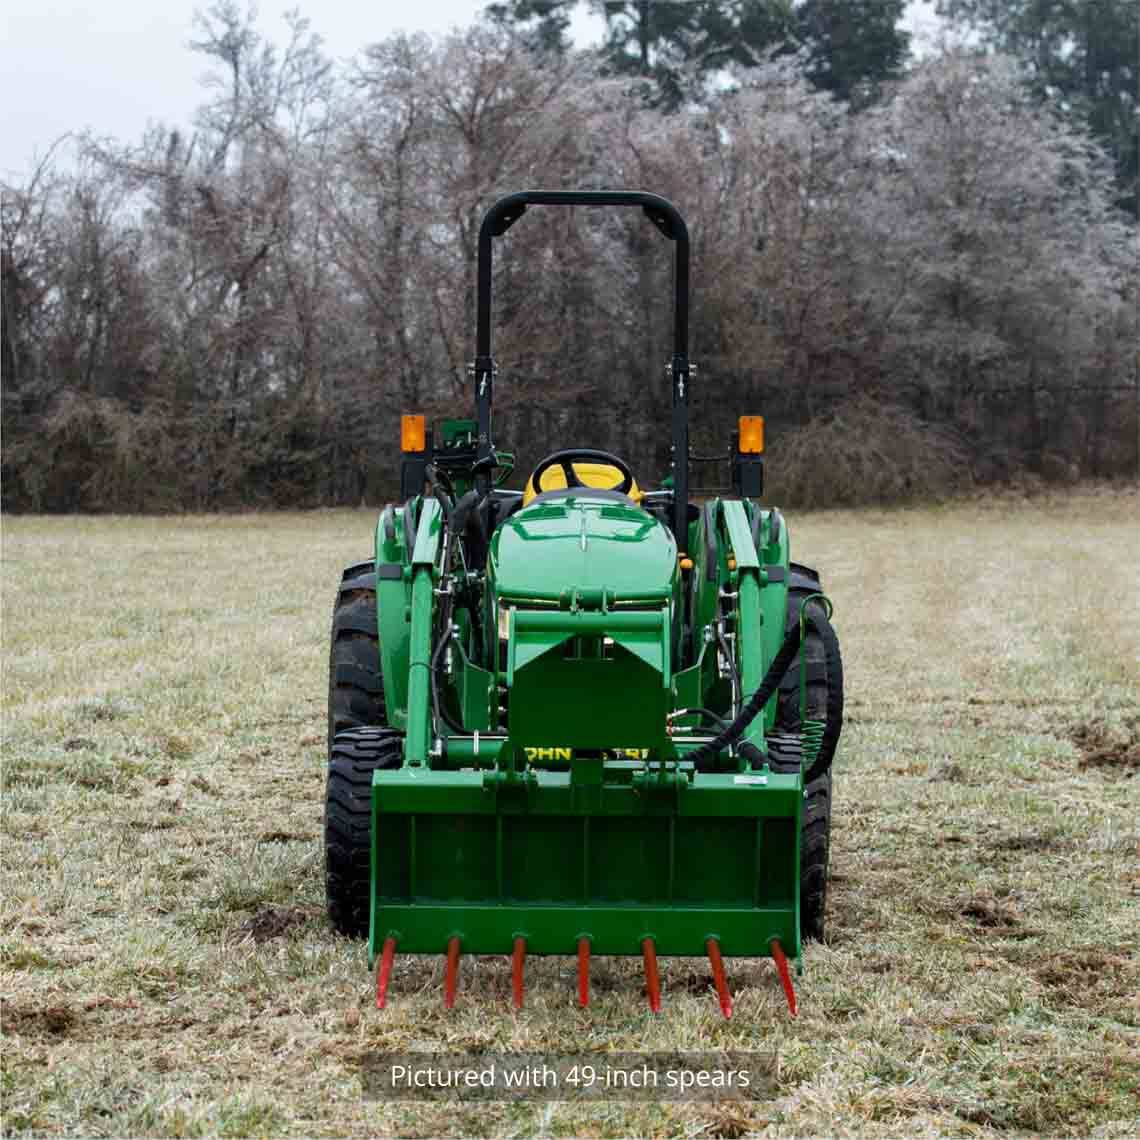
[733, 672]
[698, 710]
[447, 607]
[732, 734]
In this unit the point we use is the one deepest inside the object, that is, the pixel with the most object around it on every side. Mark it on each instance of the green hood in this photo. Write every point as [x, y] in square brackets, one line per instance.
[589, 544]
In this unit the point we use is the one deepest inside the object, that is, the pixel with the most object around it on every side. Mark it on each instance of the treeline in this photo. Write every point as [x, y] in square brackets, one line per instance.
[934, 288]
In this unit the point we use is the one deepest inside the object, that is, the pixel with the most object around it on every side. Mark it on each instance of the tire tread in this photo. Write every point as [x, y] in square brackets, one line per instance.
[356, 753]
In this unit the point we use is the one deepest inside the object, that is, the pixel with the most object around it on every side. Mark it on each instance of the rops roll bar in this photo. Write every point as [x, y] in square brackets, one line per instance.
[666, 217]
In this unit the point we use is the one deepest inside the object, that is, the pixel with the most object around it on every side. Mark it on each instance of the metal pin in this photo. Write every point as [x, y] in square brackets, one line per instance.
[451, 974]
[717, 963]
[384, 971]
[583, 972]
[517, 962]
[652, 981]
[785, 974]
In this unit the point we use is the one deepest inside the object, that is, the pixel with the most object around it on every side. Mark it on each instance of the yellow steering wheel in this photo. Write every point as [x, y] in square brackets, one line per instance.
[582, 467]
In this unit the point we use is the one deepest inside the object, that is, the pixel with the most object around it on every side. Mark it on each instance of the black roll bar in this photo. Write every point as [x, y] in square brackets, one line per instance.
[667, 218]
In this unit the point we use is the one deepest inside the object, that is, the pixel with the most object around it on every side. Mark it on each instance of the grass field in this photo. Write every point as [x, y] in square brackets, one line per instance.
[167, 968]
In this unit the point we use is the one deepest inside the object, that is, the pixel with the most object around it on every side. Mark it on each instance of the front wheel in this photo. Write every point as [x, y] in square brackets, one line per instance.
[815, 834]
[355, 755]
[823, 667]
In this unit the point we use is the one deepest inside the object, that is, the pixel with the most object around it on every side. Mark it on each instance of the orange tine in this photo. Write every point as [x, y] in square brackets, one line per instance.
[517, 961]
[452, 972]
[785, 975]
[717, 963]
[652, 981]
[384, 972]
[583, 972]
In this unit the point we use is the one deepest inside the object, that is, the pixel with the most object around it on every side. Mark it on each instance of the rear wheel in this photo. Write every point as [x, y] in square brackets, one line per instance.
[356, 683]
[355, 755]
[824, 671]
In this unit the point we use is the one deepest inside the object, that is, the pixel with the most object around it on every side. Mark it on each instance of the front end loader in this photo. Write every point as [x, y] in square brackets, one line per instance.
[584, 717]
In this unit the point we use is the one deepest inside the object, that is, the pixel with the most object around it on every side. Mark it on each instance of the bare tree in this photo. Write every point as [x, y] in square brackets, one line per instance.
[237, 313]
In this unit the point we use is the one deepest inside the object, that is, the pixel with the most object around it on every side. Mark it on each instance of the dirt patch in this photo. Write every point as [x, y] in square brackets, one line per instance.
[1031, 841]
[996, 913]
[36, 1021]
[274, 922]
[1124, 756]
[1099, 980]
[285, 836]
[913, 769]
[1102, 747]
[880, 964]
[692, 982]
[949, 773]
[730, 1122]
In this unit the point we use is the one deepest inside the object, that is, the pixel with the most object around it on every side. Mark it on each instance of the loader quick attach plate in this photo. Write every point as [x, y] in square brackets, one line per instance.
[614, 851]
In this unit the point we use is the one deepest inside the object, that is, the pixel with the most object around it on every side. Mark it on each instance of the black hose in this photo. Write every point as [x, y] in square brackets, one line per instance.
[748, 714]
[463, 508]
[707, 713]
[440, 480]
[438, 712]
[467, 522]
[432, 675]
[467, 512]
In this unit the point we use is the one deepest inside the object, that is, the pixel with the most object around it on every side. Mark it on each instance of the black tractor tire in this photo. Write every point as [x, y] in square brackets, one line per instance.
[824, 666]
[815, 834]
[355, 755]
[824, 672]
[356, 682]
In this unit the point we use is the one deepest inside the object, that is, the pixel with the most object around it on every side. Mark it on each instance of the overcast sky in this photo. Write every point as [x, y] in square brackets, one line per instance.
[116, 65]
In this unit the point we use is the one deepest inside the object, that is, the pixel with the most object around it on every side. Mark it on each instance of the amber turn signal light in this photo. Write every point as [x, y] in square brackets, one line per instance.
[413, 433]
[751, 435]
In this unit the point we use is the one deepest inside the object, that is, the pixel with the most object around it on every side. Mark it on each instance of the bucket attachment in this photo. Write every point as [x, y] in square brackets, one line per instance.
[610, 856]
[584, 819]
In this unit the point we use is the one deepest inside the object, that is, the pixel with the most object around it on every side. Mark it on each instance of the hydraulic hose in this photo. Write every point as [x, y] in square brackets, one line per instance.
[748, 714]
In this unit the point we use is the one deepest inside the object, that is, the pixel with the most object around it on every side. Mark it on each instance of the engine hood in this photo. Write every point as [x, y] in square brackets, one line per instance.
[550, 549]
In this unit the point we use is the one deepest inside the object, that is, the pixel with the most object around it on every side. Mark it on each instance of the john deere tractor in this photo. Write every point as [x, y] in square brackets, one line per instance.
[585, 717]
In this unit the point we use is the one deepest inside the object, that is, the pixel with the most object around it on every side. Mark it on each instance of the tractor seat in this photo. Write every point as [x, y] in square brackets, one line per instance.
[602, 476]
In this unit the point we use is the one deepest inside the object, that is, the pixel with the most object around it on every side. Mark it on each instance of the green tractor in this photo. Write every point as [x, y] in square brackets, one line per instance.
[585, 717]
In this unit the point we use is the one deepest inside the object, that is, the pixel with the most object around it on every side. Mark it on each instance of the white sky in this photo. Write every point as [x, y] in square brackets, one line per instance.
[117, 65]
